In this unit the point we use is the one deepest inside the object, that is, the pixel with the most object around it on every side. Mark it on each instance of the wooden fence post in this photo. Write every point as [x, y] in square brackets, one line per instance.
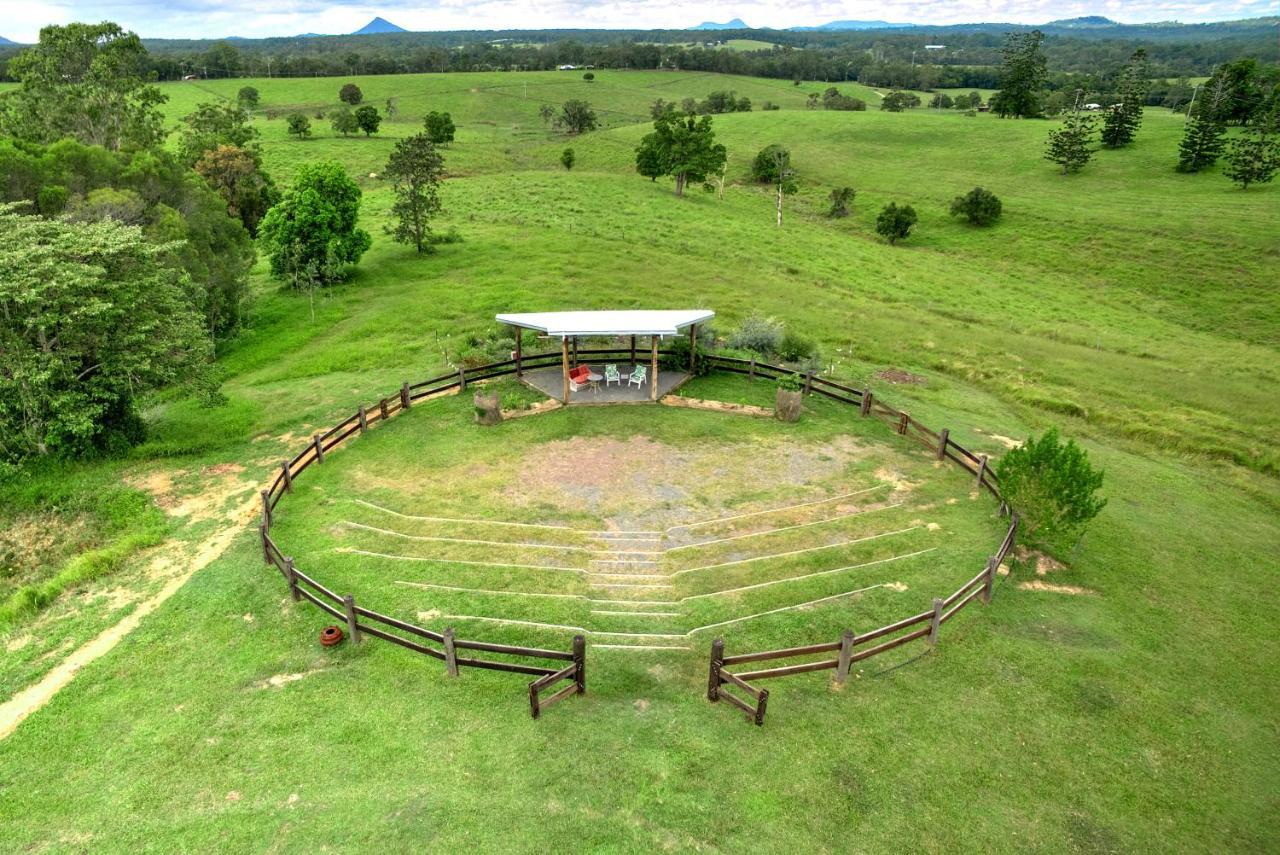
[319, 447]
[450, 653]
[349, 603]
[982, 470]
[866, 402]
[288, 476]
[462, 379]
[364, 418]
[760, 707]
[293, 579]
[580, 660]
[266, 550]
[266, 510]
[633, 351]
[808, 382]
[751, 372]
[405, 403]
[944, 436]
[534, 710]
[989, 584]
[935, 622]
[846, 653]
[903, 421]
[713, 683]
[382, 409]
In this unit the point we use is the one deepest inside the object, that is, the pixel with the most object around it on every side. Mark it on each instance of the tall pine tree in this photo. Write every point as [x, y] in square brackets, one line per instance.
[1072, 144]
[1124, 118]
[1202, 141]
[1253, 157]
[1022, 76]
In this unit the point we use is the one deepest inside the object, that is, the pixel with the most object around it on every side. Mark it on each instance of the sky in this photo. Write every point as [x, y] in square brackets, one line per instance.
[22, 19]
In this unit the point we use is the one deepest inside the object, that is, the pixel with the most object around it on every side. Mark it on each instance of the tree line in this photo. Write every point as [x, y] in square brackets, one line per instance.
[125, 262]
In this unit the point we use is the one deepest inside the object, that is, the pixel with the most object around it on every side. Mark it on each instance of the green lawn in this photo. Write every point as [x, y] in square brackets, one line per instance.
[1131, 306]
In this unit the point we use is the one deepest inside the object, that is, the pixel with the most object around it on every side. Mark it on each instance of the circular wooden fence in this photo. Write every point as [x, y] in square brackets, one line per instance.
[361, 621]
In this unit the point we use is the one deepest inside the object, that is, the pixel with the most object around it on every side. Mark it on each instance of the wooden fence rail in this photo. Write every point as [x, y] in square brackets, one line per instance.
[851, 648]
[361, 621]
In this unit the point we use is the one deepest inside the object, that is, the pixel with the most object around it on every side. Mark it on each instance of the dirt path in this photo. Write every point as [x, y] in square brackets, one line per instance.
[32, 698]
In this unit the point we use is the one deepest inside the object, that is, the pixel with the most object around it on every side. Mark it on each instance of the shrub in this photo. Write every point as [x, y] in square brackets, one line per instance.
[765, 167]
[368, 119]
[589, 76]
[981, 207]
[567, 158]
[768, 106]
[299, 125]
[758, 334]
[796, 347]
[1052, 486]
[841, 202]
[894, 223]
[248, 97]
[350, 94]
[440, 127]
[791, 382]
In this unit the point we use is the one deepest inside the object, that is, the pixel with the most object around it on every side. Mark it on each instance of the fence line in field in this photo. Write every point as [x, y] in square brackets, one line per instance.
[361, 621]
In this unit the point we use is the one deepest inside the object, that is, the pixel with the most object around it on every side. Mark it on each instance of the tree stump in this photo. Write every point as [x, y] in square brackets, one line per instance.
[787, 405]
[488, 411]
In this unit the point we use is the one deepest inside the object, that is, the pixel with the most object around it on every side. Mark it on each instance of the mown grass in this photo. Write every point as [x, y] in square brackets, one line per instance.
[1130, 305]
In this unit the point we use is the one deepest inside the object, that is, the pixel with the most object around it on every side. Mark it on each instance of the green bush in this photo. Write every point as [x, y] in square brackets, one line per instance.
[895, 222]
[795, 347]
[791, 382]
[1053, 487]
[979, 206]
[757, 334]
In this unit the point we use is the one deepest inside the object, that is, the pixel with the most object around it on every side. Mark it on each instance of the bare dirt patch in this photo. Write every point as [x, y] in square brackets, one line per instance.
[1044, 564]
[277, 680]
[1050, 588]
[1006, 441]
[898, 376]
[716, 406]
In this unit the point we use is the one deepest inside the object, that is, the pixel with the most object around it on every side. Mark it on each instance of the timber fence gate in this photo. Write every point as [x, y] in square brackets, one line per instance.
[361, 621]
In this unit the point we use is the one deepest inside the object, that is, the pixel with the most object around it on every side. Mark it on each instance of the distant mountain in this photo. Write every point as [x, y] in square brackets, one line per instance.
[735, 24]
[4, 41]
[378, 25]
[1083, 22]
[853, 25]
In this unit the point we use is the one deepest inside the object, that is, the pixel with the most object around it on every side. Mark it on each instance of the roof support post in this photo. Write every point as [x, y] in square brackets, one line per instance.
[693, 346]
[564, 367]
[519, 339]
[575, 351]
[633, 351]
[653, 381]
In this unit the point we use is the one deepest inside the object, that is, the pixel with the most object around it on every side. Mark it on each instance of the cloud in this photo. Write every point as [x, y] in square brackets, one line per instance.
[219, 18]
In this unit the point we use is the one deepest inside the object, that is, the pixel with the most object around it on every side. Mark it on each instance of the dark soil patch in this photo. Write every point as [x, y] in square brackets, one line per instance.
[897, 375]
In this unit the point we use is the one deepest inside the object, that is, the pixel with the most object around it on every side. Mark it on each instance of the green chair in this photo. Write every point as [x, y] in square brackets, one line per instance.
[612, 375]
[637, 377]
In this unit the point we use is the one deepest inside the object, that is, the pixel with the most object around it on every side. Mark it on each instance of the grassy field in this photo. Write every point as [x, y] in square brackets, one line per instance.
[1132, 306]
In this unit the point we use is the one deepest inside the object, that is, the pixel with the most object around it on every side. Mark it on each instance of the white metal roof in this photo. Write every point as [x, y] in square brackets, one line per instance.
[618, 322]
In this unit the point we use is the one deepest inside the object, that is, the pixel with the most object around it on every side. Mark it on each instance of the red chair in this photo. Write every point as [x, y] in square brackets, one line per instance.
[578, 377]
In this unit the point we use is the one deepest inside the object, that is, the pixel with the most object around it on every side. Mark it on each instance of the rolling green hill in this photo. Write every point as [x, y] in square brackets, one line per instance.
[1134, 307]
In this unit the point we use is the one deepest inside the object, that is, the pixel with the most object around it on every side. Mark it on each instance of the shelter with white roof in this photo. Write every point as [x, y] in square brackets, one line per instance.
[569, 327]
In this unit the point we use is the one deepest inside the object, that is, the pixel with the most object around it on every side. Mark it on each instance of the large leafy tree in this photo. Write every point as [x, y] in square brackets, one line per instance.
[148, 188]
[238, 177]
[92, 315]
[1022, 76]
[312, 235]
[212, 125]
[577, 117]
[682, 145]
[368, 119]
[1124, 117]
[86, 82]
[415, 169]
